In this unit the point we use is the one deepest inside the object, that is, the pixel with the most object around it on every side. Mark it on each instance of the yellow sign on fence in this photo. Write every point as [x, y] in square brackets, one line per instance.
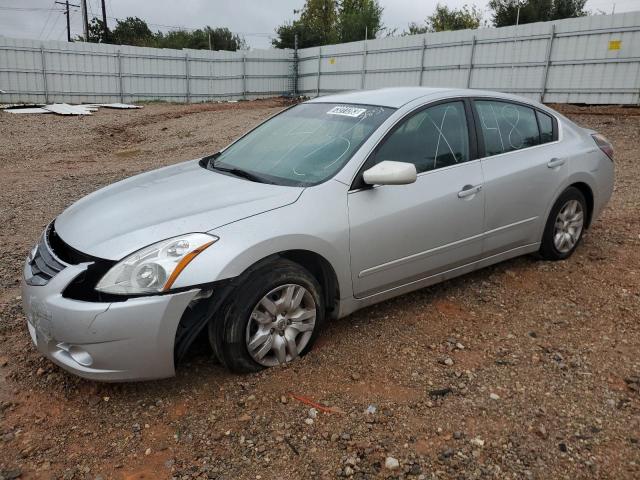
[615, 44]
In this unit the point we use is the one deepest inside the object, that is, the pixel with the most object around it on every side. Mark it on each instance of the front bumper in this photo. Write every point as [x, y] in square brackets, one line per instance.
[120, 341]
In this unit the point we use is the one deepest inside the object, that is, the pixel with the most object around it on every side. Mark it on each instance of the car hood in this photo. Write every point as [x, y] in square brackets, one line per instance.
[133, 213]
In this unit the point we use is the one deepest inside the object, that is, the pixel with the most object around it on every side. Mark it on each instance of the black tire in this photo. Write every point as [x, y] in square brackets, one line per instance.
[227, 330]
[548, 249]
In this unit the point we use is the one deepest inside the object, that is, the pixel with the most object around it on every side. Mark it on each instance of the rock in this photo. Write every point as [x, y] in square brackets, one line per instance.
[147, 451]
[40, 372]
[440, 392]
[348, 471]
[448, 361]
[371, 409]
[478, 442]
[459, 346]
[313, 413]
[391, 463]
[494, 396]
[446, 453]
[355, 376]
[308, 421]
[283, 399]
[335, 437]
[11, 474]
[541, 431]
[457, 435]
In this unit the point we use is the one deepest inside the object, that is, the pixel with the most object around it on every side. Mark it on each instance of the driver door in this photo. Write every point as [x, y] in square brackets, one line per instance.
[401, 234]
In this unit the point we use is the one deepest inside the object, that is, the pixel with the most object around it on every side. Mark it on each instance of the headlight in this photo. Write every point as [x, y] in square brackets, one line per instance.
[154, 268]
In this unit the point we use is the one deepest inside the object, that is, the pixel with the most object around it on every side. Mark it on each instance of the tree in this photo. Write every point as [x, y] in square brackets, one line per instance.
[445, 18]
[96, 31]
[355, 17]
[221, 39]
[317, 26]
[505, 12]
[133, 31]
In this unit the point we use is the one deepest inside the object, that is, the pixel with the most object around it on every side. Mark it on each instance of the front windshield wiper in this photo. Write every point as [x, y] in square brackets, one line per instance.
[238, 172]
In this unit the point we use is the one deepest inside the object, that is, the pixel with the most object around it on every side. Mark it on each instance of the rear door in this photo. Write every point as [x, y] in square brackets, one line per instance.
[403, 233]
[522, 171]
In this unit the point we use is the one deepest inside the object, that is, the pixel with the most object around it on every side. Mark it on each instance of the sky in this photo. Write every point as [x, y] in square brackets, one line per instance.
[256, 20]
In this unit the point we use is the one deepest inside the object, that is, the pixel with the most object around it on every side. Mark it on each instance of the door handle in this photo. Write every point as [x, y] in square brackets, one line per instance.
[556, 162]
[469, 190]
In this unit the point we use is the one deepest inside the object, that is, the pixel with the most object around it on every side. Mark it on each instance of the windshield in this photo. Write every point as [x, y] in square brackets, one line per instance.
[304, 145]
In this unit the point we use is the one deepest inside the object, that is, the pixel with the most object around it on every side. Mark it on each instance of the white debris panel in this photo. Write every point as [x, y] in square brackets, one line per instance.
[66, 109]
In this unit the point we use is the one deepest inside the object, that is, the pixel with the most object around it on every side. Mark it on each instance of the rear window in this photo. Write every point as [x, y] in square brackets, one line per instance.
[506, 126]
[546, 127]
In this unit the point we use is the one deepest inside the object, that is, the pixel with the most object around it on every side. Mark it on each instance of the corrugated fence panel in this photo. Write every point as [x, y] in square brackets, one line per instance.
[39, 72]
[594, 59]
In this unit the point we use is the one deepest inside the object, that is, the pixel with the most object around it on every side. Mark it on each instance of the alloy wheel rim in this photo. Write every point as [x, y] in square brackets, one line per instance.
[568, 226]
[281, 325]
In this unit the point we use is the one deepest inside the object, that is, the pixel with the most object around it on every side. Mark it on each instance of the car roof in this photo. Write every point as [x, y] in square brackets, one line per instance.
[396, 97]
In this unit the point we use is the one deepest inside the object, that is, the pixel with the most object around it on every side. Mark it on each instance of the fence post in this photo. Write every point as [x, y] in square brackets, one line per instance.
[295, 66]
[244, 75]
[120, 85]
[187, 76]
[319, 64]
[545, 75]
[44, 74]
[424, 53]
[473, 49]
[364, 65]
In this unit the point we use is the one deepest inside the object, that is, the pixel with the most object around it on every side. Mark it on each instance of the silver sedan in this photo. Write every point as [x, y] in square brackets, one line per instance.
[329, 206]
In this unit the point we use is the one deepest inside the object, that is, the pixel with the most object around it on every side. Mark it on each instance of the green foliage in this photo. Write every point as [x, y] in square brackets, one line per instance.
[445, 18]
[135, 31]
[355, 17]
[132, 31]
[505, 12]
[323, 22]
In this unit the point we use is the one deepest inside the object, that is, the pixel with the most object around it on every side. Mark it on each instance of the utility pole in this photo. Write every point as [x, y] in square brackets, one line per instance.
[85, 20]
[67, 4]
[105, 37]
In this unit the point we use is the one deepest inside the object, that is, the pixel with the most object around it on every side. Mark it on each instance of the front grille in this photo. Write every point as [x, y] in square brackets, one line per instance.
[45, 264]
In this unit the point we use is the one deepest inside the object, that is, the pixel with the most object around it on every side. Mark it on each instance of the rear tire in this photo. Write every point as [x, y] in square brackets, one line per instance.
[565, 225]
[273, 317]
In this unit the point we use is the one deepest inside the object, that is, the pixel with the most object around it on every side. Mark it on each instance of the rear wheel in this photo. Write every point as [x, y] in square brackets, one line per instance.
[565, 225]
[272, 318]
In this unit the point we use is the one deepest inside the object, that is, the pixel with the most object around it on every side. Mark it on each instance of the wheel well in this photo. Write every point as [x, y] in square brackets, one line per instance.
[323, 272]
[588, 196]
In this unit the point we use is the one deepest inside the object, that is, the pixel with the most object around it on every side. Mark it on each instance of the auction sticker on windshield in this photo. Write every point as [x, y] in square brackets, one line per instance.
[346, 111]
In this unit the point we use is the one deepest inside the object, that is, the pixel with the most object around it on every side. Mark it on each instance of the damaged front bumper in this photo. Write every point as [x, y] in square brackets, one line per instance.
[120, 341]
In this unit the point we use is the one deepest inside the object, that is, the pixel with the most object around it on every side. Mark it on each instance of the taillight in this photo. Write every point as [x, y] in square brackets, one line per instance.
[604, 144]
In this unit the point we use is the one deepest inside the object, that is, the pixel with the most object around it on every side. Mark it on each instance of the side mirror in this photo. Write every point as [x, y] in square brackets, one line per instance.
[390, 173]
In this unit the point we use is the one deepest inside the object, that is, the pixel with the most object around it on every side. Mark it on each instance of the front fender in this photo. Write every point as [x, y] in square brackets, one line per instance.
[293, 227]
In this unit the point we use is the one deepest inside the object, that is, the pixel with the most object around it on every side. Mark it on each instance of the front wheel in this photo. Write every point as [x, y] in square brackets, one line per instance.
[565, 225]
[271, 319]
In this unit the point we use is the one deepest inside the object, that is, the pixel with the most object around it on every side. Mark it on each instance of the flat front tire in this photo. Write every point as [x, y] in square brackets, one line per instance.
[272, 318]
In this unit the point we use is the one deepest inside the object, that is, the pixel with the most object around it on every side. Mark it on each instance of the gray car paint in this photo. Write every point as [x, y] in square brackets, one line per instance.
[381, 242]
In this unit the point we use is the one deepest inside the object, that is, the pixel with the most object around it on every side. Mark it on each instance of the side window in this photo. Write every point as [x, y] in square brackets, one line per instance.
[546, 127]
[506, 126]
[432, 138]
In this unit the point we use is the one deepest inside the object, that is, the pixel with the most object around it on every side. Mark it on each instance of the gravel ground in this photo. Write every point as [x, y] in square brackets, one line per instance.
[526, 370]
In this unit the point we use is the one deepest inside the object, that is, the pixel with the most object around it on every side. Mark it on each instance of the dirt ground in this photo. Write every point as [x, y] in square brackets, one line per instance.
[525, 370]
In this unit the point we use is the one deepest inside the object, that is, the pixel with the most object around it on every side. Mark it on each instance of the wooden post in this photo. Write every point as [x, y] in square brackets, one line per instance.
[120, 84]
[187, 76]
[319, 65]
[424, 54]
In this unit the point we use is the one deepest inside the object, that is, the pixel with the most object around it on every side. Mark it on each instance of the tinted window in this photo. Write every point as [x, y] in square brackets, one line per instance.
[506, 126]
[432, 138]
[546, 127]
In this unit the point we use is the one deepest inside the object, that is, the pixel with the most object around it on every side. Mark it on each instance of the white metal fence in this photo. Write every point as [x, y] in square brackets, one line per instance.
[32, 71]
[592, 59]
